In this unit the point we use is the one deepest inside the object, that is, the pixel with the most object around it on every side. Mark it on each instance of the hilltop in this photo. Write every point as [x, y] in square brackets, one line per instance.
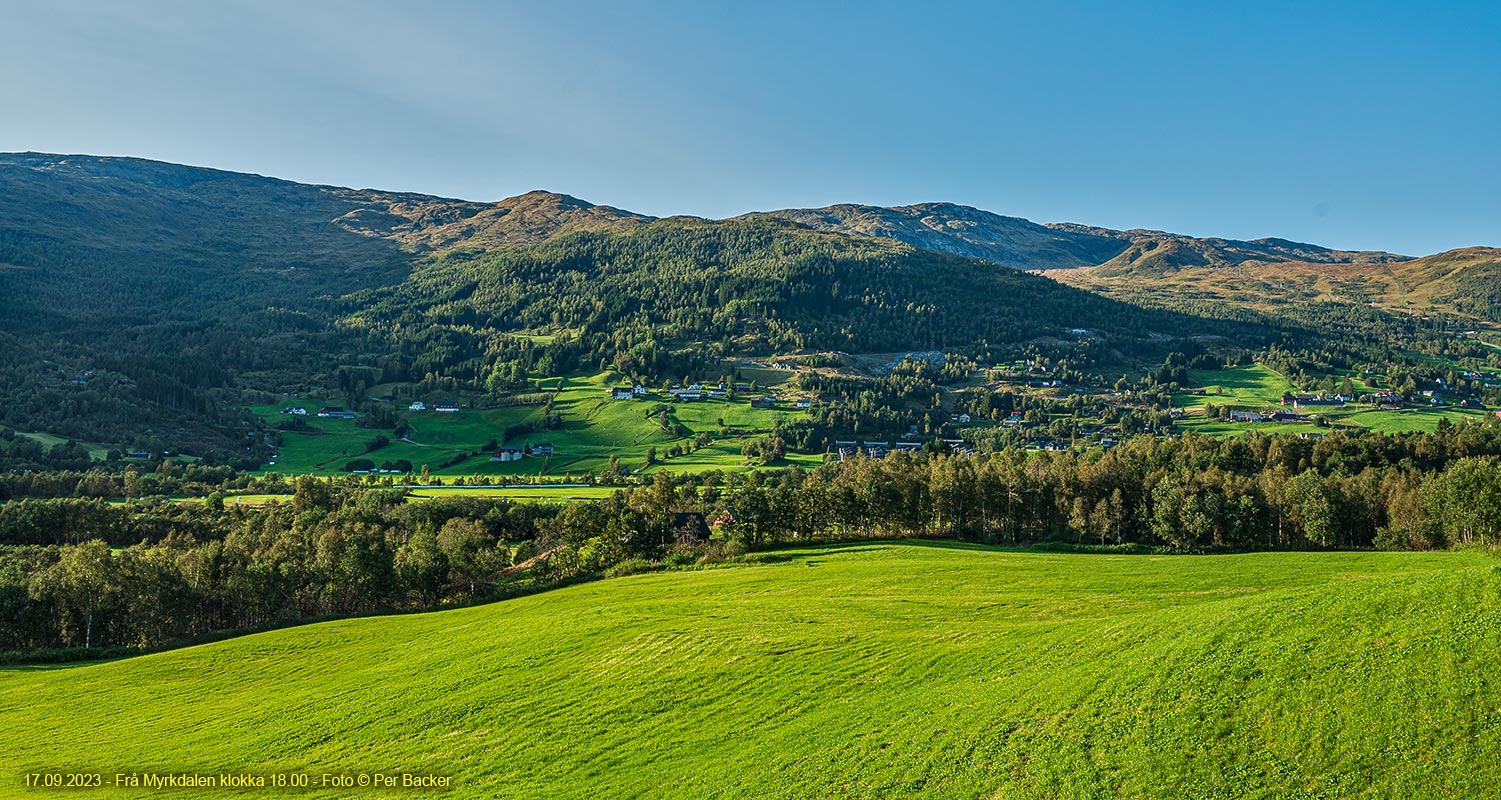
[1464, 282]
[1023, 244]
[864, 670]
[965, 231]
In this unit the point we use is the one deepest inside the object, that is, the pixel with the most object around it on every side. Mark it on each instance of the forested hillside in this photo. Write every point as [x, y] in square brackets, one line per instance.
[149, 304]
[145, 299]
[649, 298]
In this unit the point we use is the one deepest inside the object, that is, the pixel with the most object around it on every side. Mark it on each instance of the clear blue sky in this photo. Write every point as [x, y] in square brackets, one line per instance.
[1360, 125]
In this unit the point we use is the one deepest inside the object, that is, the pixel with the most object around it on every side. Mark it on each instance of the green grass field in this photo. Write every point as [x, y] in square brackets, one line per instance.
[866, 671]
[1257, 387]
[1251, 385]
[97, 452]
[594, 428]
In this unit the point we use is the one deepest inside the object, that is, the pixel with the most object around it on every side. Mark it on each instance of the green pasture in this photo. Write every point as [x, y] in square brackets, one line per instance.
[97, 452]
[594, 428]
[1407, 420]
[516, 493]
[1253, 385]
[855, 671]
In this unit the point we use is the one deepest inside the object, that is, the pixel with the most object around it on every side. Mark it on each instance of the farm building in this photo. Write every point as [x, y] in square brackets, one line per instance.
[1246, 416]
[508, 452]
[334, 412]
[622, 393]
[763, 402]
[417, 405]
[1301, 400]
[690, 527]
[446, 408]
[540, 449]
[298, 411]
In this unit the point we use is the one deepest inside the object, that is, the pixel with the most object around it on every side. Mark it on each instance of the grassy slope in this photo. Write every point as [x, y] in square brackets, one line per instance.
[1259, 388]
[849, 671]
[594, 428]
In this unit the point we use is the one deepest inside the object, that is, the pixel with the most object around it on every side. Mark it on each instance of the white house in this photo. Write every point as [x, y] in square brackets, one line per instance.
[417, 405]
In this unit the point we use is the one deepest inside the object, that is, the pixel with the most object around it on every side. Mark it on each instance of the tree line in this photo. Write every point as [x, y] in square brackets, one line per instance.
[145, 574]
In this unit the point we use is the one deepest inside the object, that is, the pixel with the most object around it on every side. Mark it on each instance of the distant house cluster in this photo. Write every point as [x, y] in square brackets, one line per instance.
[847, 450]
[698, 391]
[628, 392]
[516, 452]
[1257, 416]
[1302, 400]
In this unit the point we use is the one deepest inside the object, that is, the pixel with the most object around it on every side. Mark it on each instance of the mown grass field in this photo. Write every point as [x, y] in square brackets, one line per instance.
[868, 671]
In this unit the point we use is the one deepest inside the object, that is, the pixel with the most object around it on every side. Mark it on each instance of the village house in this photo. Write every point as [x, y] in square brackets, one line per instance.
[763, 402]
[1246, 416]
[417, 405]
[334, 412]
[803, 404]
[640, 391]
[446, 408]
[297, 411]
[1284, 416]
[541, 449]
[622, 393]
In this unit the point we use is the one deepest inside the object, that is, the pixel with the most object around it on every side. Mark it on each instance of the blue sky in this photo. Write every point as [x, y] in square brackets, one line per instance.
[1359, 125]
